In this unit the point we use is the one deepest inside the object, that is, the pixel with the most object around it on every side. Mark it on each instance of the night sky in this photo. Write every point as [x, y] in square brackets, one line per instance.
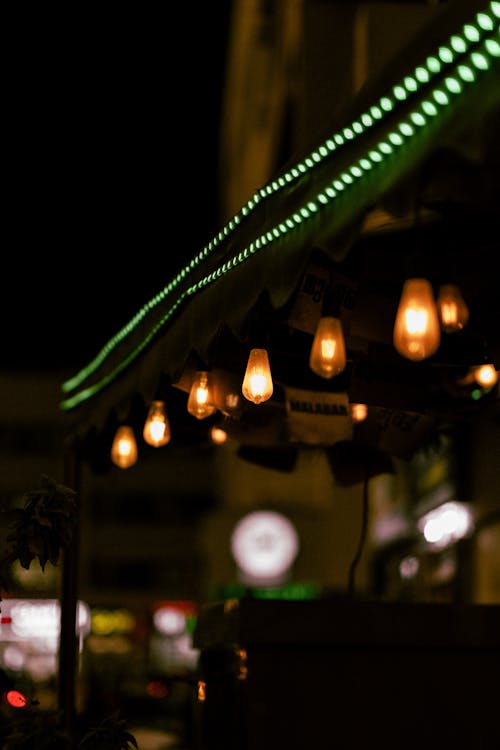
[112, 151]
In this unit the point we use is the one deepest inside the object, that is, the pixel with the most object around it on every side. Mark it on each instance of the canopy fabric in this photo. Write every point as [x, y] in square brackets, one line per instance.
[420, 141]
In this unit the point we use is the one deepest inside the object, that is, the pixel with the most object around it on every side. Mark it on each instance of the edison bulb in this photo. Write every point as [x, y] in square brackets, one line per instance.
[359, 412]
[200, 402]
[157, 427]
[258, 383]
[416, 333]
[218, 435]
[327, 357]
[486, 375]
[453, 312]
[124, 448]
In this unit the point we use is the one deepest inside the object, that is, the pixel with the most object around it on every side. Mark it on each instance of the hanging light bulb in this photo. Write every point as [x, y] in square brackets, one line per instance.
[452, 310]
[416, 329]
[232, 403]
[124, 448]
[200, 402]
[226, 391]
[359, 413]
[486, 376]
[218, 435]
[156, 430]
[257, 384]
[327, 357]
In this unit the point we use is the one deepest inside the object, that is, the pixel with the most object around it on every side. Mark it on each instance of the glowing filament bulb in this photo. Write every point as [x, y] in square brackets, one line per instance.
[218, 435]
[328, 347]
[327, 357]
[486, 376]
[359, 412]
[453, 312]
[124, 448]
[416, 321]
[200, 401]
[257, 384]
[416, 332]
[157, 427]
[232, 401]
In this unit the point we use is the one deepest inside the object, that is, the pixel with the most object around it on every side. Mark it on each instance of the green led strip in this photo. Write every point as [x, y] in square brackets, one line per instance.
[452, 86]
[457, 44]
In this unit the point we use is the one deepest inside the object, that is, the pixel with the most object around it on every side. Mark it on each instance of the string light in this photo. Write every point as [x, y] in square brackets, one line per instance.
[327, 356]
[416, 334]
[486, 375]
[257, 383]
[227, 392]
[452, 309]
[218, 435]
[124, 447]
[200, 402]
[359, 413]
[156, 430]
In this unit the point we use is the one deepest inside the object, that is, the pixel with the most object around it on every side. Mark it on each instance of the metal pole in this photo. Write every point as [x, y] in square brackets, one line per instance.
[68, 644]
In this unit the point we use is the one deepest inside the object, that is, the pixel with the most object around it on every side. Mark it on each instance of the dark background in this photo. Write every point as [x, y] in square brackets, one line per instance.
[112, 122]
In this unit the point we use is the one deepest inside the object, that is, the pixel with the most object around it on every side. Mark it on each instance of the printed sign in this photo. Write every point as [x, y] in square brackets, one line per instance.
[308, 306]
[316, 417]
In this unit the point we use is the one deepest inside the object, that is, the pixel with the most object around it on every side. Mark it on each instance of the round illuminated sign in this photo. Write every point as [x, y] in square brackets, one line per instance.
[264, 545]
[169, 621]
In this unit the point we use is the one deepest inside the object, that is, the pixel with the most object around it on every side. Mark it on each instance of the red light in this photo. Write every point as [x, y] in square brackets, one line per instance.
[5, 620]
[157, 689]
[185, 606]
[16, 699]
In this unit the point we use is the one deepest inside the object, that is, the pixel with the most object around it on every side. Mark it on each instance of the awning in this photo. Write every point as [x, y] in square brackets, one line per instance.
[405, 182]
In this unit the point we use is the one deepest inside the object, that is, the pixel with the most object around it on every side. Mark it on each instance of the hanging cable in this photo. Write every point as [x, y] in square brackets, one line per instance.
[362, 537]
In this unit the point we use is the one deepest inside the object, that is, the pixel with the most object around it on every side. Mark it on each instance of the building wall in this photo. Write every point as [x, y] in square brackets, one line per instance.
[292, 67]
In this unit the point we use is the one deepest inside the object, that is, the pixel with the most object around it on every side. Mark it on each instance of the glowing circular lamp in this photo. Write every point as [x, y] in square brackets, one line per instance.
[264, 545]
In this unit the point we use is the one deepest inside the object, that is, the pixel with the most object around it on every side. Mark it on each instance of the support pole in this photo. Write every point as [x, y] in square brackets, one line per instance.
[68, 644]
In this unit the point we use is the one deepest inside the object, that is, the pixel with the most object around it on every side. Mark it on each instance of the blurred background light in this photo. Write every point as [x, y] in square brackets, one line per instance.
[264, 545]
[446, 524]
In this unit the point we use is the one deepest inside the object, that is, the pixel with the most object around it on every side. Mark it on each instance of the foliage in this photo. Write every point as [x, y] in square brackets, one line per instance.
[39, 731]
[42, 527]
[36, 731]
[111, 734]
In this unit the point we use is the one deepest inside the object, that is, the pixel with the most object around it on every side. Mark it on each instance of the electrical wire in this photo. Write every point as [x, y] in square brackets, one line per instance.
[362, 536]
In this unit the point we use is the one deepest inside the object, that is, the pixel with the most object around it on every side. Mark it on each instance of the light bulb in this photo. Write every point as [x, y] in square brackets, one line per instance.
[327, 357]
[452, 310]
[231, 403]
[200, 402]
[227, 396]
[218, 435]
[156, 430]
[359, 412]
[124, 448]
[257, 384]
[416, 329]
[486, 375]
